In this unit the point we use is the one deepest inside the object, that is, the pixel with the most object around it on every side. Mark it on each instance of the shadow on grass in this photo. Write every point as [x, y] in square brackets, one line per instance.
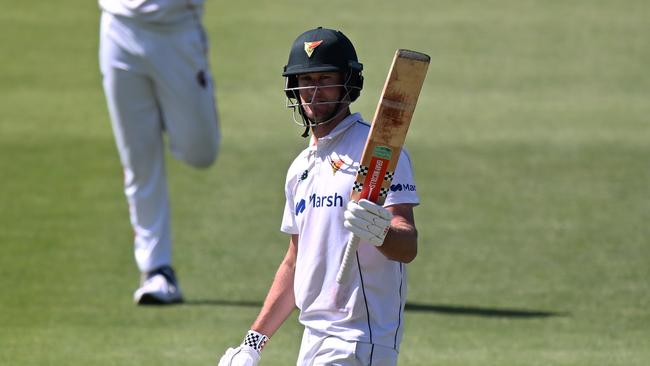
[412, 307]
[238, 303]
[480, 311]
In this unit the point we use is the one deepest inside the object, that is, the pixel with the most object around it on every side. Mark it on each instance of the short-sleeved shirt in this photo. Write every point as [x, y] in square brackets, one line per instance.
[369, 308]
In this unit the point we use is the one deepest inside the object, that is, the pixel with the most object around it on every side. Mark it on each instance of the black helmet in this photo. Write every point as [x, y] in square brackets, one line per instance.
[321, 50]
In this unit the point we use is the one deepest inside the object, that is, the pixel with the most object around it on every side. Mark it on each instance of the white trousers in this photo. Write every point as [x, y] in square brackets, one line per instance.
[156, 79]
[323, 350]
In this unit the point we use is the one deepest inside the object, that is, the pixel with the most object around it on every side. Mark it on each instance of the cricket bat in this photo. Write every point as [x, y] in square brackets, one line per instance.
[386, 137]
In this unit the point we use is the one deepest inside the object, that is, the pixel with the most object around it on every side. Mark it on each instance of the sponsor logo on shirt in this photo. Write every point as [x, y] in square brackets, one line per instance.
[303, 176]
[402, 187]
[300, 207]
[315, 201]
[335, 200]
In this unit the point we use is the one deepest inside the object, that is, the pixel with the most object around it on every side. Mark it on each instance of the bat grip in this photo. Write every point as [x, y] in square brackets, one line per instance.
[348, 258]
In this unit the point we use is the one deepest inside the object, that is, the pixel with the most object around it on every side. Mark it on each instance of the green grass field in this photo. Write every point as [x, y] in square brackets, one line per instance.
[531, 146]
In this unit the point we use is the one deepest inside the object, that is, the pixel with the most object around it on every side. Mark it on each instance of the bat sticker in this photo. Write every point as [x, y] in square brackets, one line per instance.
[374, 179]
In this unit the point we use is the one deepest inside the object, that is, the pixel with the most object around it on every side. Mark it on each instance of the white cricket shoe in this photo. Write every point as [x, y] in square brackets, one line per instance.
[159, 287]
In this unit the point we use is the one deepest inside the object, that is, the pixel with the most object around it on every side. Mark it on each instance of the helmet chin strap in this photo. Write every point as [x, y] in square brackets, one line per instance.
[306, 133]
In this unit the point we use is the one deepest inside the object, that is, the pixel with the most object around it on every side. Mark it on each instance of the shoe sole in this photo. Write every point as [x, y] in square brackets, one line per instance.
[148, 299]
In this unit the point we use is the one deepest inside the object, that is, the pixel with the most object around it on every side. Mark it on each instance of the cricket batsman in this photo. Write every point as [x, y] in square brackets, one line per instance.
[361, 321]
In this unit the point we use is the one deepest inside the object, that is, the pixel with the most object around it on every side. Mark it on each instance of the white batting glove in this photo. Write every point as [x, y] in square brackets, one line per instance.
[248, 353]
[367, 220]
[240, 356]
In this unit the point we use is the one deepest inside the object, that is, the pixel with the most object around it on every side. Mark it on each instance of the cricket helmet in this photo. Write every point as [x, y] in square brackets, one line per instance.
[323, 50]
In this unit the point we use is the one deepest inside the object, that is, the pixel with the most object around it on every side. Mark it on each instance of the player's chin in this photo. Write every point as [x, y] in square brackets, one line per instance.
[320, 113]
[316, 118]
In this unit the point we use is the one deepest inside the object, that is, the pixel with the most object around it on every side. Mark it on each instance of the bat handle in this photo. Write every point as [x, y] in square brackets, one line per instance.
[348, 258]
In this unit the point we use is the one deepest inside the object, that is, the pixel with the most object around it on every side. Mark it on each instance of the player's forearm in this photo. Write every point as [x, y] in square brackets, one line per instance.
[401, 243]
[278, 305]
[280, 300]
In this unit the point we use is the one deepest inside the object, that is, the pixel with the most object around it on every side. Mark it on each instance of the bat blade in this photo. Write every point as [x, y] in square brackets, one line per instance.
[386, 137]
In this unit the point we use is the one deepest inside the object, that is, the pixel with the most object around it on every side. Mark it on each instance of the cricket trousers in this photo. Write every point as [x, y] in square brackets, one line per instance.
[156, 80]
[323, 350]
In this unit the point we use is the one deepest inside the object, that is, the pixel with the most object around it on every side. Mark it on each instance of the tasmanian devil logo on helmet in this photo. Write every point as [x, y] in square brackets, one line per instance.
[311, 46]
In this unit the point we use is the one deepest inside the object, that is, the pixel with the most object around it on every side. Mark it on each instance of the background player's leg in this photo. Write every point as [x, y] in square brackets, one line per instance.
[138, 135]
[187, 97]
[136, 122]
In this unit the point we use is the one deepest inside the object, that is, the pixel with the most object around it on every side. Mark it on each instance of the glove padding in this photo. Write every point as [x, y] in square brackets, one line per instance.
[367, 220]
[241, 356]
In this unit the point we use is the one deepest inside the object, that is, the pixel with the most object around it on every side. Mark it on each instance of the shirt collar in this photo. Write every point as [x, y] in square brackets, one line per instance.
[338, 130]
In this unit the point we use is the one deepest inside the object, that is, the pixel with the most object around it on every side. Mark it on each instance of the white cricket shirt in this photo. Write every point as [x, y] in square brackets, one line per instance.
[319, 181]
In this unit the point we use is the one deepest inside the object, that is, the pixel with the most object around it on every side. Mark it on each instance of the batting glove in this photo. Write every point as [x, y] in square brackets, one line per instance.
[248, 353]
[367, 220]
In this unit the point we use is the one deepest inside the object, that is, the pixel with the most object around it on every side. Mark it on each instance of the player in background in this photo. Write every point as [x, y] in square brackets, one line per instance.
[154, 62]
[360, 322]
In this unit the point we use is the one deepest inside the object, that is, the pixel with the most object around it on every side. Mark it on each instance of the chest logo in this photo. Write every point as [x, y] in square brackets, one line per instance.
[336, 165]
[300, 207]
[316, 201]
